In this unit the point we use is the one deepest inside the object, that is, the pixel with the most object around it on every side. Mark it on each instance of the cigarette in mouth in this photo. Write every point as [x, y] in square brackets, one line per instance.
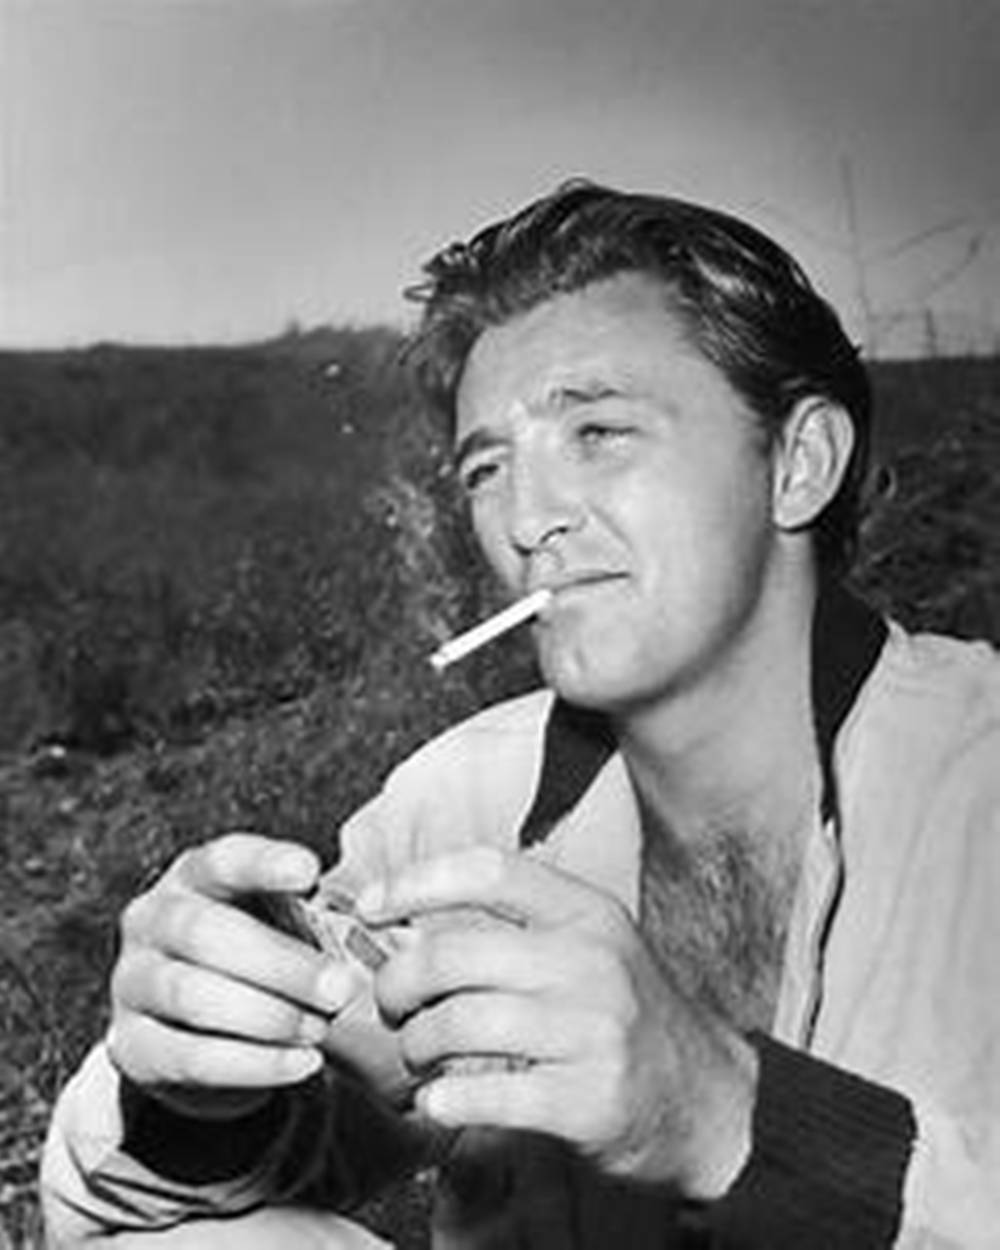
[459, 647]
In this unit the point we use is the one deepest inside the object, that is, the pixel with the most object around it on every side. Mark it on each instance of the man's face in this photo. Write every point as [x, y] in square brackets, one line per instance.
[605, 457]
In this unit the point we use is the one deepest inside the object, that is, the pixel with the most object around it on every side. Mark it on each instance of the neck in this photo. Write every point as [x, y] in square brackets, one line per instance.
[728, 782]
[739, 751]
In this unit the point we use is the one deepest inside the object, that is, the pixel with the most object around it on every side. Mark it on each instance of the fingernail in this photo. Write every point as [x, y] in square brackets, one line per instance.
[333, 986]
[371, 900]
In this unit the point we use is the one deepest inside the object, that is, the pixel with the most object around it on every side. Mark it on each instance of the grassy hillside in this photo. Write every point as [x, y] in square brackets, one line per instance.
[221, 572]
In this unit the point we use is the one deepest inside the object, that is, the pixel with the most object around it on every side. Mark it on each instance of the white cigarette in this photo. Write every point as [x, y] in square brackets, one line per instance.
[459, 647]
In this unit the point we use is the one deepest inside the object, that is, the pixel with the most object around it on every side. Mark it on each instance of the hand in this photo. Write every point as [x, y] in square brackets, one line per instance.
[618, 1063]
[211, 1007]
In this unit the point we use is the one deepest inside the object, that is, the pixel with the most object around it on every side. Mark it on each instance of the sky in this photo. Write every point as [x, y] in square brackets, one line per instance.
[207, 171]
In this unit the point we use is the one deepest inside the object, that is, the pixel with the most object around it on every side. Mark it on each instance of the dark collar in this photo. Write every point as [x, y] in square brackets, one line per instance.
[847, 640]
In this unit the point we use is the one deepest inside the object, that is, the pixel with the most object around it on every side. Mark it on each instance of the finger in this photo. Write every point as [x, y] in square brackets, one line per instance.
[244, 863]
[203, 1001]
[483, 1024]
[217, 936]
[446, 961]
[154, 1053]
[509, 885]
[519, 1099]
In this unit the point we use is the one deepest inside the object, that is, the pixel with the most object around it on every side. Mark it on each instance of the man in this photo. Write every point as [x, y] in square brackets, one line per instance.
[694, 948]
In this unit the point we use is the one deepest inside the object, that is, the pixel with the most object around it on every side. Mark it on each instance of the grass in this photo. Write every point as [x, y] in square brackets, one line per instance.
[221, 572]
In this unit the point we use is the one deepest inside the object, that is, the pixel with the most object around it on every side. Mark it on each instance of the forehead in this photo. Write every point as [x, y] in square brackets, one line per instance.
[620, 331]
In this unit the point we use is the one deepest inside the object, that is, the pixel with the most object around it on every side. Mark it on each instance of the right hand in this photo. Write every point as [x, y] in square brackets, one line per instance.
[210, 1006]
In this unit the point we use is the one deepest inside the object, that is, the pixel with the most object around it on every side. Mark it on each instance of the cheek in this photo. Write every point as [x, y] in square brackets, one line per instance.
[490, 536]
[697, 537]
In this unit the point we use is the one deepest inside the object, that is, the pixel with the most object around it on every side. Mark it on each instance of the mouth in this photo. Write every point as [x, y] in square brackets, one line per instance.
[568, 587]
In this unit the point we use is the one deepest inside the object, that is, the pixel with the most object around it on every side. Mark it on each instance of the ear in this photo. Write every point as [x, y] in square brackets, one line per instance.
[810, 460]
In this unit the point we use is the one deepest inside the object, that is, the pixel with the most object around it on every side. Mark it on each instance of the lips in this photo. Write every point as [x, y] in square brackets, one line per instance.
[582, 580]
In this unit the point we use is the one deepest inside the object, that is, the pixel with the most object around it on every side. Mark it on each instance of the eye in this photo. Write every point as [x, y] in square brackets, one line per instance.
[475, 474]
[596, 434]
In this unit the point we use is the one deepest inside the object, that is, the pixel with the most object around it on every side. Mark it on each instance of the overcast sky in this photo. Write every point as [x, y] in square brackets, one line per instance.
[210, 170]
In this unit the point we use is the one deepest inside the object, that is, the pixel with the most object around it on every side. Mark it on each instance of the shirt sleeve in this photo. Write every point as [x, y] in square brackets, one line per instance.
[117, 1160]
[828, 1162]
[848, 1164]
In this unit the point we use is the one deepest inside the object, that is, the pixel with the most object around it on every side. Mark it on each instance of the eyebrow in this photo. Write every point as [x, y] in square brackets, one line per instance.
[556, 399]
[588, 391]
[474, 441]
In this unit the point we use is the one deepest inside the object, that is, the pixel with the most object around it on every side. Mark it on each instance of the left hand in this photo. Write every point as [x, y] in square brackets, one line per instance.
[620, 1064]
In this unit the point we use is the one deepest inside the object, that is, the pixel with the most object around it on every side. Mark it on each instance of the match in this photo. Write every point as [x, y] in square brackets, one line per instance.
[502, 622]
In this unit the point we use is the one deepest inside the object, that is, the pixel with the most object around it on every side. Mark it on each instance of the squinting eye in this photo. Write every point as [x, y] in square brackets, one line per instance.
[594, 434]
[476, 476]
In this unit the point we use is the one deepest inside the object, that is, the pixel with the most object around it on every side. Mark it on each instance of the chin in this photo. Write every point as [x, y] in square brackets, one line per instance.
[585, 683]
[614, 678]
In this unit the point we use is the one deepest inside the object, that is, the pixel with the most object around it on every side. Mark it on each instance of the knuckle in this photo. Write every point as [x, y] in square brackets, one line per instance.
[117, 1037]
[210, 858]
[120, 985]
[500, 1024]
[195, 1061]
[409, 1049]
[122, 1051]
[435, 1034]
[132, 1048]
[416, 1043]
[281, 1022]
[176, 995]
[183, 922]
[389, 999]
[222, 849]
[210, 861]
[462, 1022]
[416, 974]
[134, 918]
[433, 961]
[164, 921]
[138, 918]
[181, 868]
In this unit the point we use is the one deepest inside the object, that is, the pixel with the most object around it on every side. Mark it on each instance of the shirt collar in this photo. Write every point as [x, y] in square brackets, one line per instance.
[847, 640]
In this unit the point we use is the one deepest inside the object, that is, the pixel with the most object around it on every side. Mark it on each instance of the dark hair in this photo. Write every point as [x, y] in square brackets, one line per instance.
[744, 302]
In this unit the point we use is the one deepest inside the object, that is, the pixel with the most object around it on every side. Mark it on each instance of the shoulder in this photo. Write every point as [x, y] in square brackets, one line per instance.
[922, 745]
[919, 773]
[943, 663]
[933, 687]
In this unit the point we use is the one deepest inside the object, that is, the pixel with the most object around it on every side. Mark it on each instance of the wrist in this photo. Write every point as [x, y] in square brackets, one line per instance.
[721, 1137]
[177, 1139]
[211, 1105]
[830, 1154]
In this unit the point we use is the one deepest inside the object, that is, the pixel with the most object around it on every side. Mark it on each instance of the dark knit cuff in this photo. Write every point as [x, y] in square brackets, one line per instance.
[195, 1151]
[829, 1156]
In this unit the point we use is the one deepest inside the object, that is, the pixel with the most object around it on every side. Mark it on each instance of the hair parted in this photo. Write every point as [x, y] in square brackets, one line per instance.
[741, 299]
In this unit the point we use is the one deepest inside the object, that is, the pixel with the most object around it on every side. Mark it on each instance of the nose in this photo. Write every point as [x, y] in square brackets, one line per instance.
[542, 505]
